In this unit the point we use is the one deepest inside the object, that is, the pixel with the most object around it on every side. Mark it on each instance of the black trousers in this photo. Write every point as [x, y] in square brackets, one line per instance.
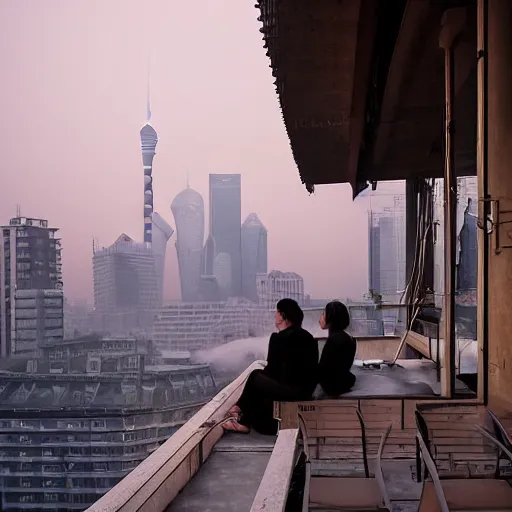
[257, 401]
[339, 385]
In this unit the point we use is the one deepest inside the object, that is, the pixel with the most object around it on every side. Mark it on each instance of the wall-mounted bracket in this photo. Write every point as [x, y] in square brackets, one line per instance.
[496, 221]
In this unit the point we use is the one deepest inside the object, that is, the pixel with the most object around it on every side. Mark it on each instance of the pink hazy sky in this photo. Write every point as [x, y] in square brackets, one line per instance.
[72, 97]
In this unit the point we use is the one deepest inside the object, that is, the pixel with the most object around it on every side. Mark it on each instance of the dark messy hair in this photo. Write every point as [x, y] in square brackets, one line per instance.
[290, 311]
[337, 317]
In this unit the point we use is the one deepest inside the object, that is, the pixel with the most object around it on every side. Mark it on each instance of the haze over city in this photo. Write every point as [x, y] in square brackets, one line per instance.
[167, 282]
[73, 102]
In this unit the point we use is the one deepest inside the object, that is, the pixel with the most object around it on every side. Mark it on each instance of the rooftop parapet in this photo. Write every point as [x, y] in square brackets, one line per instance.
[153, 484]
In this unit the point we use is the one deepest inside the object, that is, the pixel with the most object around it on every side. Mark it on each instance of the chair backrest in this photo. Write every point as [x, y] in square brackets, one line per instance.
[304, 435]
[499, 430]
[499, 445]
[431, 467]
[421, 424]
[345, 425]
[307, 473]
[379, 475]
[501, 436]
[422, 428]
[363, 443]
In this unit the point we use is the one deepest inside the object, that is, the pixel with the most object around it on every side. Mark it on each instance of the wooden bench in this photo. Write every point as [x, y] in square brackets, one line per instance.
[481, 494]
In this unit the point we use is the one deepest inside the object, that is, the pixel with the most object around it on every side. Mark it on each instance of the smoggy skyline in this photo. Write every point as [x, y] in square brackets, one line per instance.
[73, 100]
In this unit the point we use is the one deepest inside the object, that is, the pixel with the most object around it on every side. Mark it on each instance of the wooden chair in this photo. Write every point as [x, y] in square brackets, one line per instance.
[344, 439]
[502, 436]
[458, 435]
[475, 494]
[346, 492]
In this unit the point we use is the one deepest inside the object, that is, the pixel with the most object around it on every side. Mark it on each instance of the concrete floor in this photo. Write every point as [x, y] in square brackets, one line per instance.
[230, 477]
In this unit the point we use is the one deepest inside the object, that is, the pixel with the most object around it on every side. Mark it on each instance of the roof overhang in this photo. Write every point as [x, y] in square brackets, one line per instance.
[361, 87]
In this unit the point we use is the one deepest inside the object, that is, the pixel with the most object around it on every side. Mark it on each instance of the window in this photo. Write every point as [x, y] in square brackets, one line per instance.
[94, 366]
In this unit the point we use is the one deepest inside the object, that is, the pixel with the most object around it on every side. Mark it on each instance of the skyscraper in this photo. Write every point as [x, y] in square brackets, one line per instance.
[225, 217]
[386, 251]
[254, 255]
[188, 211]
[31, 298]
[149, 140]
[160, 236]
[209, 256]
[126, 291]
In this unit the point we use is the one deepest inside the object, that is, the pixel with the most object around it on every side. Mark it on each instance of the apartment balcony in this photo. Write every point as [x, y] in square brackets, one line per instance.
[201, 468]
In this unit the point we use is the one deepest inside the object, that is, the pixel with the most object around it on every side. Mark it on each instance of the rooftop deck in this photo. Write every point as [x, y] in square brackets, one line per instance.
[201, 469]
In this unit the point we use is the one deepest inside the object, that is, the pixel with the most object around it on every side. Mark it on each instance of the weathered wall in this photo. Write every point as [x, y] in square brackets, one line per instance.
[500, 187]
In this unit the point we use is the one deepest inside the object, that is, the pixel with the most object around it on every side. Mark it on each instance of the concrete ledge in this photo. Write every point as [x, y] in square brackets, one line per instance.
[154, 483]
[273, 490]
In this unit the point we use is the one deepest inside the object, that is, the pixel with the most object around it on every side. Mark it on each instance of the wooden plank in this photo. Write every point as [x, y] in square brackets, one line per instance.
[287, 415]
[452, 441]
[474, 494]
[418, 343]
[346, 493]
[482, 236]
[385, 402]
[273, 490]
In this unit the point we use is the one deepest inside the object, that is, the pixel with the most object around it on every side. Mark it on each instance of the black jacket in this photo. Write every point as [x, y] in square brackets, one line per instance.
[335, 363]
[292, 360]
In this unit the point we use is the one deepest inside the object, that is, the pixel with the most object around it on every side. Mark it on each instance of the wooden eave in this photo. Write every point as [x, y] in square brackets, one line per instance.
[350, 115]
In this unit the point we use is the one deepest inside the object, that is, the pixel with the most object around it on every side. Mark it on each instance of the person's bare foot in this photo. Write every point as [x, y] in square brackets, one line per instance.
[234, 426]
[234, 412]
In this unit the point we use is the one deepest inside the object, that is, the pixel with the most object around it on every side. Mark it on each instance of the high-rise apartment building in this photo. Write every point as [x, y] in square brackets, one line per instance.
[386, 250]
[225, 218]
[254, 255]
[279, 285]
[110, 402]
[188, 211]
[126, 289]
[31, 297]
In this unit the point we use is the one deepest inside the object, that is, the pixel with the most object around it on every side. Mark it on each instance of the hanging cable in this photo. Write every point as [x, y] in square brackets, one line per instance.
[413, 292]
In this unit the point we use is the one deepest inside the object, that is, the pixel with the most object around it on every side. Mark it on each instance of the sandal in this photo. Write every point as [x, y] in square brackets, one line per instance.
[234, 426]
[234, 412]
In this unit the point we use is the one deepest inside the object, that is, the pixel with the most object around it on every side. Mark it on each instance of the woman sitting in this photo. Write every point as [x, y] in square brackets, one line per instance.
[291, 373]
[339, 351]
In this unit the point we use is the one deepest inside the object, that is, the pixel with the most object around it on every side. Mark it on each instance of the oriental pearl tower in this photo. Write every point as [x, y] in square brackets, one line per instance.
[156, 230]
[149, 140]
